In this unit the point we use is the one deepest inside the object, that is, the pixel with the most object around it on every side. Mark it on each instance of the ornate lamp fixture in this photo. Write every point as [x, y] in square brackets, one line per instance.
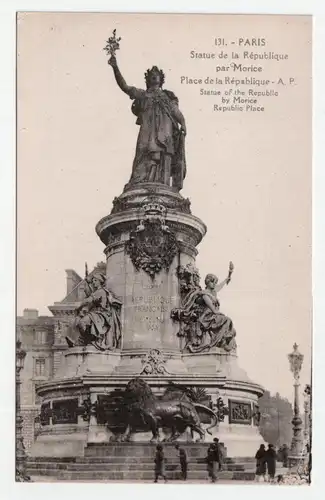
[20, 448]
[295, 361]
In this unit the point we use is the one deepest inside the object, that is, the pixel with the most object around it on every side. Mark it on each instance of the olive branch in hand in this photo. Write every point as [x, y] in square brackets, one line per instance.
[112, 44]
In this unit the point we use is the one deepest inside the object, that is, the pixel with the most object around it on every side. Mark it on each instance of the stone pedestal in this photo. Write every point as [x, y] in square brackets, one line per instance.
[146, 282]
[148, 299]
[96, 433]
[79, 361]
[238, 429]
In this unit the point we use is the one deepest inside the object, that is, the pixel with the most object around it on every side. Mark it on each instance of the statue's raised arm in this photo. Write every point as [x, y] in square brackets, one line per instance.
[119, 78]
[227, 280]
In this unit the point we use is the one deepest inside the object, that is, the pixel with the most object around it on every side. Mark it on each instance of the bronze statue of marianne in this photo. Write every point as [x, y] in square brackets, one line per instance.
[160, 149]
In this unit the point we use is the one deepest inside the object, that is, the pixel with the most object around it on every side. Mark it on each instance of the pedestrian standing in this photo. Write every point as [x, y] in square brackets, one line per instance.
[212, 460]
[285, 455]
[270, 456]
[260, 462]
[160, 464]
[219, 452]
[183, 461]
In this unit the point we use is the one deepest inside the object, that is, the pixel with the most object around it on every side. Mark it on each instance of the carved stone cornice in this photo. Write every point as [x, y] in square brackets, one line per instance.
[60, 347]
[64, 311]
[46, 327]
[183, 246]
[187, 248]
[190, 234]
[46, 348]
[125, 222]
[114, 248]
[134, 195]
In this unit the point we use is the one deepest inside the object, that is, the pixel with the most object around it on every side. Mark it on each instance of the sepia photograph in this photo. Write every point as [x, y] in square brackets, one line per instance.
[164, 248]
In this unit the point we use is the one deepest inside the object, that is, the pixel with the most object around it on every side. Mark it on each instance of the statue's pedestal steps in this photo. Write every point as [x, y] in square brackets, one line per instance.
[135, 462]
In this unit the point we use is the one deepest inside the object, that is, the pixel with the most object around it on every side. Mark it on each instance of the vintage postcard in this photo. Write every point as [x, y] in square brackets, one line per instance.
[164, 298]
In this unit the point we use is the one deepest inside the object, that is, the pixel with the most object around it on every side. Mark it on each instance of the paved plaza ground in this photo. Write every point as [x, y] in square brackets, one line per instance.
[42, 479]
[49, 479]
[53, 480]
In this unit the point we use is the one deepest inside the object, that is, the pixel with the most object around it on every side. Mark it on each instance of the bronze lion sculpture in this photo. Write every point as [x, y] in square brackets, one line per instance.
[174, 412]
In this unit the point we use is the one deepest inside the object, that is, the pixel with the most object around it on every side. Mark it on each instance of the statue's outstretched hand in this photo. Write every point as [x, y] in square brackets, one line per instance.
[112, 61]
[230, 271]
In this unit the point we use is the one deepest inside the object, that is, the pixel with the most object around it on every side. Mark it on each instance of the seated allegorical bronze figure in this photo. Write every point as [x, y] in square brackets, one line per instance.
[98, 316]
[203, 326]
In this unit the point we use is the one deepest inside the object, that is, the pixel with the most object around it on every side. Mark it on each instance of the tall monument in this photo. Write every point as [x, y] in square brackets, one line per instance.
[149, 328]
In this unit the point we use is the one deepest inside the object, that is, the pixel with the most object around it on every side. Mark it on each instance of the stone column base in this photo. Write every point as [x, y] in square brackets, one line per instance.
[66, 441]
[79, 361]
[295, 461]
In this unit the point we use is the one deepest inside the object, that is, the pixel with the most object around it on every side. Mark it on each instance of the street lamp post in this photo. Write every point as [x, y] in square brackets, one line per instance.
[296, 452]
[307, 409]
[20, 448]
[308, 393]
[308, 424]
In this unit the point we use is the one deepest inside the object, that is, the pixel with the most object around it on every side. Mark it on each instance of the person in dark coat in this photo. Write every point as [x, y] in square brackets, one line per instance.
[270, 456]
[212, 460]
[260, 462]
[220, 454]
[160, 464]
[285, 455]
[182, 460]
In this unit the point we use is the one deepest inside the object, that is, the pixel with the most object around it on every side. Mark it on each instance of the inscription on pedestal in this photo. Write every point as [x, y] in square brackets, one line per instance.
[151, 309]
[151, 303]
[152, 324]
[151, 286]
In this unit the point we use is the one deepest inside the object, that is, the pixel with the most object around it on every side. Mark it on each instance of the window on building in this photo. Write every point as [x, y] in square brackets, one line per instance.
[40, 367]
[40, 337]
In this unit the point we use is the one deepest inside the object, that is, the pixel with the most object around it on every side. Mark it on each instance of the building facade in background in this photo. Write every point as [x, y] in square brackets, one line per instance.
[43, 339]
